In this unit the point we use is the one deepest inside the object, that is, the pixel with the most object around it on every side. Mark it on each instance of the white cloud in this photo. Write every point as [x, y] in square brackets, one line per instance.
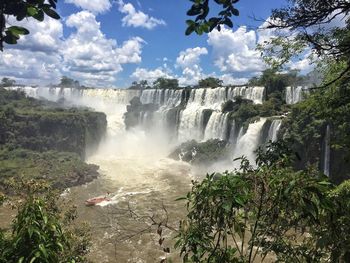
[136, 18]
[36, 56]
[189, 60]
[234, 51]
[230, 80]
[44, 36]
[190, 56]
[86, 54]
[25, 67]
[95, 6]
[150, 75]
[90, 55]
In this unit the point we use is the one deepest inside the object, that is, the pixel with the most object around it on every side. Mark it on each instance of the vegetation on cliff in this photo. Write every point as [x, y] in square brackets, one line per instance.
[40, 140]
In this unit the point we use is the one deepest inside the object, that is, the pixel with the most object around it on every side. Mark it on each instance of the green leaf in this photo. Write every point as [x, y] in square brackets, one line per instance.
[235, 12]
[39, 16]
[190, 22]
[43, 250]
[17, 30]
[51, 13]
[228, 22]
[32, 11]
[189, 30]
[10, 39]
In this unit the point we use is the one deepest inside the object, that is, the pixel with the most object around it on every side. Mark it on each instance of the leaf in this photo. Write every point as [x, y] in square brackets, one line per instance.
[39, 16]
[43, 250]
[189, 30]
[194, 11]
[17, 30]
[51, 13]
[10, 39]
[190, 22]
[52, 3]
[228, 22]
[235, 12]
[31, 11]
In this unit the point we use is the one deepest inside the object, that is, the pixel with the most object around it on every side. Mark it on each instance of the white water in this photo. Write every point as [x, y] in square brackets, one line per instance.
[295, 94]
[327, 152]
[273, 130]
[217, 126]
[249, 142]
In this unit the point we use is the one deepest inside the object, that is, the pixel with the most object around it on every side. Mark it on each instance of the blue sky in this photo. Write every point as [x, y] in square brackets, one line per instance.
[112, 43]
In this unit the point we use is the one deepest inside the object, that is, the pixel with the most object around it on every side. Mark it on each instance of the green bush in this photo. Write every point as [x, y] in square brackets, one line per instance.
[268, 211]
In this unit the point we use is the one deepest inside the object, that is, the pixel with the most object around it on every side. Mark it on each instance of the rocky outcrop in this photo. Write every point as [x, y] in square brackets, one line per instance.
[135, 111]
[201, 153]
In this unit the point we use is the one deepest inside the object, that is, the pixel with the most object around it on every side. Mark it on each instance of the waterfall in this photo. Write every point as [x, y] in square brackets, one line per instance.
[256, 94]
[198, 117]
[294, 94]
[273, 130]
[217, 126]
[327, 152]
[249, 142]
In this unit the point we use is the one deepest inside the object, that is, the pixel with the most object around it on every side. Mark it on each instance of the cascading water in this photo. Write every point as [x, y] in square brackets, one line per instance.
[256, 94]
[217, 126]
[249, 142]
[327, 151]
[295, 94]
[273, 130]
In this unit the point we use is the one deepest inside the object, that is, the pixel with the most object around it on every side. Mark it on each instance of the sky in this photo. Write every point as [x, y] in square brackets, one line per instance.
[104, 43]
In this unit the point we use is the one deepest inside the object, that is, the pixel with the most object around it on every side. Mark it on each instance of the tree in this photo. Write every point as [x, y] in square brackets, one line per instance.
[200, 9]
[21, 9]
[275, 81]
[69, 83]
[308, 20]
[7, 82]
[40, 231]
[268, 211]
[210, 82]
[142, 84]
[165, 83]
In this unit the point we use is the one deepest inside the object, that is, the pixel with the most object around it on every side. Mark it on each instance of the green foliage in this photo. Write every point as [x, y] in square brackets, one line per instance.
[143, 84]
[41, 232]
[7, 82]
[275, 81]
[210, 82]
[243, 111]
[279, 50]
[60, 169]
[22, 9]
[164, 83]
[307, 19]
[39, 140]
[200, 9]
[32, 124]
[267, 212]
[69, 83]
[307, 124]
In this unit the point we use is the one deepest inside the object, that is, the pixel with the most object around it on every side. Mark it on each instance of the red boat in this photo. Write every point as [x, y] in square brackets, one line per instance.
[96, 200]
